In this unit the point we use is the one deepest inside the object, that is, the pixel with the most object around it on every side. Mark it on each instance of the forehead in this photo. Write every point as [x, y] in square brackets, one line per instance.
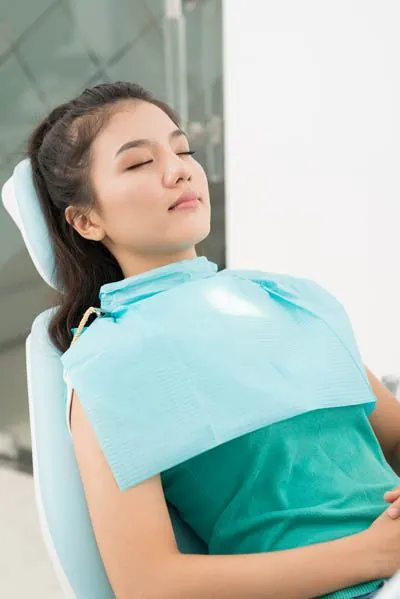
[134, 120]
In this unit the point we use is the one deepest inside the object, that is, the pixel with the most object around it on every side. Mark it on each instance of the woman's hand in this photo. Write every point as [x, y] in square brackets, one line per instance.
[383, 538]
[391, 496]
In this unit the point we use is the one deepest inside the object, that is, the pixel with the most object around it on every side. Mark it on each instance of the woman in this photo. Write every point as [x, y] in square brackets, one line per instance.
[292, 509]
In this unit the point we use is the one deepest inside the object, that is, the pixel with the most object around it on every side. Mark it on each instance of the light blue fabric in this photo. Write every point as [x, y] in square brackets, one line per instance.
[25, 209]
[186, 358]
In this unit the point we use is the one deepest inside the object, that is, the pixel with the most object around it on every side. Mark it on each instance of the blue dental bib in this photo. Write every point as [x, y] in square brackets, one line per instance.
[184, 358]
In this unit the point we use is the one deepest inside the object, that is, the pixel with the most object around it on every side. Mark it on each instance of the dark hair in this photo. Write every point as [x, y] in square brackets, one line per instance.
[59, 150]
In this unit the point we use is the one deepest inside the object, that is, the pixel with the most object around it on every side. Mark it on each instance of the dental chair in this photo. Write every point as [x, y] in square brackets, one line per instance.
[61, 504]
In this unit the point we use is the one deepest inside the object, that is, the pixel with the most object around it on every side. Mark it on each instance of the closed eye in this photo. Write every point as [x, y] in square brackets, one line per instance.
[131, 168]
[135, 166]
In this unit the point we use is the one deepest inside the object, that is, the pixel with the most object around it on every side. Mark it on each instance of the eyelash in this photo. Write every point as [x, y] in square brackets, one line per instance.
[134, 166]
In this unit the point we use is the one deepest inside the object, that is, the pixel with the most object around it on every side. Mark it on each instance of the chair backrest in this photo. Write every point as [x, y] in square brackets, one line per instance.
[62, 508]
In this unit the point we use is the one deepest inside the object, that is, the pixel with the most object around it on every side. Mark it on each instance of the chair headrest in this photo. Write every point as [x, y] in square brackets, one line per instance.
[21, 202]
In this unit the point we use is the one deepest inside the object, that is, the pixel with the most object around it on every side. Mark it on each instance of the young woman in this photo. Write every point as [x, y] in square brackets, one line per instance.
[293, 509]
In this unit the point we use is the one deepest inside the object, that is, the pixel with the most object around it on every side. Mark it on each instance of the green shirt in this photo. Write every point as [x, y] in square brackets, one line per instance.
[316, 477]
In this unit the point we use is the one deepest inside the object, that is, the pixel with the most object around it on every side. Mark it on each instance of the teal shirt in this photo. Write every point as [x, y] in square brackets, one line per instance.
[313, 478]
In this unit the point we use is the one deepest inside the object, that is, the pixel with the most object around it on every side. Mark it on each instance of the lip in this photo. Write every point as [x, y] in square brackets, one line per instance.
[186, 199]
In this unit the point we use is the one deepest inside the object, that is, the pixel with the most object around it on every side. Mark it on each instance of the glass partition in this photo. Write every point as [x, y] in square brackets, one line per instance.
[49, 51]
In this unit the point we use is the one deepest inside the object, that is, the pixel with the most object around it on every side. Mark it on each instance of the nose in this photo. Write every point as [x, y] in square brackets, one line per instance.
[177, 170]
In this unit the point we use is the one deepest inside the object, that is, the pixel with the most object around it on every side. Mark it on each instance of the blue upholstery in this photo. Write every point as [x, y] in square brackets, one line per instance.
[60, 500]
[21, 202]
[62, 508]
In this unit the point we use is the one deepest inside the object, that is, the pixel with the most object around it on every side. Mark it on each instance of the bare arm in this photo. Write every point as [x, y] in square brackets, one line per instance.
[293, 574]
[141, 557]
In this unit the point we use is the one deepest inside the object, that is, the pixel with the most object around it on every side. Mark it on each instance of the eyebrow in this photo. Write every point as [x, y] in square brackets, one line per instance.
[139, 143]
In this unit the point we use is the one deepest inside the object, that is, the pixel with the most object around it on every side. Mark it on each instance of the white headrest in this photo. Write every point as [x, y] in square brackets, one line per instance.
[21, 202]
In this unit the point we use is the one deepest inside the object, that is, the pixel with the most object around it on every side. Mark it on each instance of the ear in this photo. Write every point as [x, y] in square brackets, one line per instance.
[88, 224]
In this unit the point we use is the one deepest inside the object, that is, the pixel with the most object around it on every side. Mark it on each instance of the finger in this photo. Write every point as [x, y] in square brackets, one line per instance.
[393, 492]
[394, 510]
[390, 496]
[389, 500]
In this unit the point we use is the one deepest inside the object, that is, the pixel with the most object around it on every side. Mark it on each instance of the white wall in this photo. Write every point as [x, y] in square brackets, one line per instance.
[312, 113]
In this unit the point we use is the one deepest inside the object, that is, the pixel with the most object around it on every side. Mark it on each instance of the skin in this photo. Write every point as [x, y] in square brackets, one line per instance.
[131, 213]
[133, 530]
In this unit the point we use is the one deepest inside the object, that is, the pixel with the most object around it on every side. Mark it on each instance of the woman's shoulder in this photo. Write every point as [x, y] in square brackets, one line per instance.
[288, 285]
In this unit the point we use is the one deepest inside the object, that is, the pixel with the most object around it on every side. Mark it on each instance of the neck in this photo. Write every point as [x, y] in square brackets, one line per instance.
[135, 265]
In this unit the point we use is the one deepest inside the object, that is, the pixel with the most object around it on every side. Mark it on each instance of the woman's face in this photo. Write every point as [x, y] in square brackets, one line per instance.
[140, 167]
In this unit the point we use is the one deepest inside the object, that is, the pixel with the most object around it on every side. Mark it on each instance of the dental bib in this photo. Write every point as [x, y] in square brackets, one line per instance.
[184, 358]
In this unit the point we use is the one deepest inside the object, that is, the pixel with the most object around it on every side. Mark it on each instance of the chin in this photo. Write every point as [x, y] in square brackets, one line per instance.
[190, 241]
[194, 233]
[200, 235]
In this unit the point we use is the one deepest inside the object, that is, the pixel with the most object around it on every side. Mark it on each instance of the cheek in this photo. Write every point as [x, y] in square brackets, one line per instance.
[201, 179]
[128, 199]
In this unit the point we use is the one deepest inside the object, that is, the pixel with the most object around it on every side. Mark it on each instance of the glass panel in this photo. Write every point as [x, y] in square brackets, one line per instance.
[118, 26]
[20, 104]
[4, 45]
[48, 53]
[55, 56]
[142, 62]
[16, 20]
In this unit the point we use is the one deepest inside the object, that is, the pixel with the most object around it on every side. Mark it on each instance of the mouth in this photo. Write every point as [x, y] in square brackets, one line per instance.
[188, 199]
